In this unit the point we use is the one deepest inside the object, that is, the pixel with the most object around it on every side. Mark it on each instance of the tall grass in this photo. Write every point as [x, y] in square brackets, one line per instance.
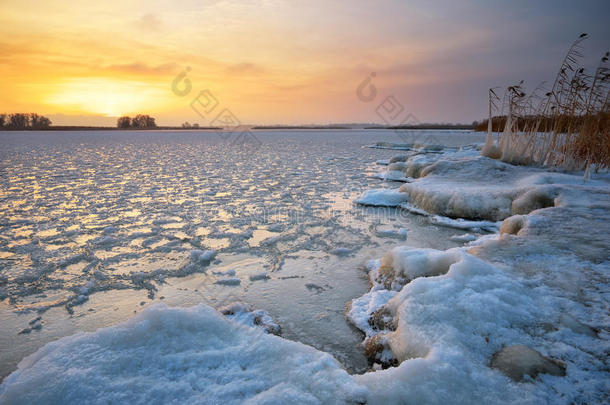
[566, 127]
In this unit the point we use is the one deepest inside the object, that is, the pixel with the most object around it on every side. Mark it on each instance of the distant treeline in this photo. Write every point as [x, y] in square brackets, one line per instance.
[140, 121]
[21, 121]
[431, 126]
[557, 123]
[300, 127]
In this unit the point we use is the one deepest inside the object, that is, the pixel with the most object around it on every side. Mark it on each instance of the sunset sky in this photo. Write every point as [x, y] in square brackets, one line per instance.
[281, 62]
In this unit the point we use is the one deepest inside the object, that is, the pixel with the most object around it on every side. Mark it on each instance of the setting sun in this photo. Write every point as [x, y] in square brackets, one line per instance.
[104, 96]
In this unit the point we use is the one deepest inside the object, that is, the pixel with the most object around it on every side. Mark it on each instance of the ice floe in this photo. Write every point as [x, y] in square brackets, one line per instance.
[382, 198]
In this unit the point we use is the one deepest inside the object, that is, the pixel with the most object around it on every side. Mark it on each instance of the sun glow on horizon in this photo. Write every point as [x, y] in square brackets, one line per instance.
[103, 96]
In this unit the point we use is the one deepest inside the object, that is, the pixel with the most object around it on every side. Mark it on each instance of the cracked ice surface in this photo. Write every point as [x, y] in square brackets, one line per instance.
[95, 225]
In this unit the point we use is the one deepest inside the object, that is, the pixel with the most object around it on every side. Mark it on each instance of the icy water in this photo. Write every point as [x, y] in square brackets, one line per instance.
[96, 225]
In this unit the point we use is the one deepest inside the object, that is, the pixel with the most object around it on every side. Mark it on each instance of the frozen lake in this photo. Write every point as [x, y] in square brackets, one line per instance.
[96, 225]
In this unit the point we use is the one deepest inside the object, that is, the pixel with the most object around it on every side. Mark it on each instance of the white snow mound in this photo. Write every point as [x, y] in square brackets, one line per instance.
[179, 355]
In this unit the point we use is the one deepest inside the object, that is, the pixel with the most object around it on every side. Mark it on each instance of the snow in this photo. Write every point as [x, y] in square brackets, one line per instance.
[514, 317]
[382, 198]
[451, 325]
[361, 308]
[244, 314]
[179, 355]
[403, 264]
[467, 185]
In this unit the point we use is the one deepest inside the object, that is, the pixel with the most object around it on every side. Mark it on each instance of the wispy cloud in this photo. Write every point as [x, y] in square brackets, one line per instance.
[150, 22]
[244, 68]
[139, 68]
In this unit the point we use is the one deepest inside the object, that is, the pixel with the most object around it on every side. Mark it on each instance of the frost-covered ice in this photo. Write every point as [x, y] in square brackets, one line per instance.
[97, 225]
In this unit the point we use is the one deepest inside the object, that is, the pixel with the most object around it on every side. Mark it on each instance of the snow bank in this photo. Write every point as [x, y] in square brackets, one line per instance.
[179, 355]
[447, 329]
[403, 264]
[463, 185]
[516, 317]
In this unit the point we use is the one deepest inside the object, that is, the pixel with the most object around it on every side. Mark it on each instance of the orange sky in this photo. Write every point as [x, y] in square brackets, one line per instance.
[272, 61]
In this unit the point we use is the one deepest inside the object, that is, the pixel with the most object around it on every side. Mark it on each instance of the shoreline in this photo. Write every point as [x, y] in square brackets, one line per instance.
[261, 128]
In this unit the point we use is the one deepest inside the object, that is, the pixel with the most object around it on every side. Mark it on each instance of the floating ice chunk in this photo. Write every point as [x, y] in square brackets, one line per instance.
[193, 354]
[398, 158]
[271, 240]
[392, 233]
[390, 145]
[202, 256]
[106, 241]
[460, 223]
[259, 276]
[228, 281]
[430, 147]
[341, 251]
[275, 228]
[109, 230]
[383, 162]
[315, 287]
[392, 175]
[229, 272]
[89, 285]
[466, 237]
[382, 198]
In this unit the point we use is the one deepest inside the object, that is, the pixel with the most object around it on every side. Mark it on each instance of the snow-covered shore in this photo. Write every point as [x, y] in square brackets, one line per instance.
[437, 320]
[542, 282]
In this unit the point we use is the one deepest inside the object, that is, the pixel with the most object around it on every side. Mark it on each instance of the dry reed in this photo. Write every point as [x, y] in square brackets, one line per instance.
[567, 127]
